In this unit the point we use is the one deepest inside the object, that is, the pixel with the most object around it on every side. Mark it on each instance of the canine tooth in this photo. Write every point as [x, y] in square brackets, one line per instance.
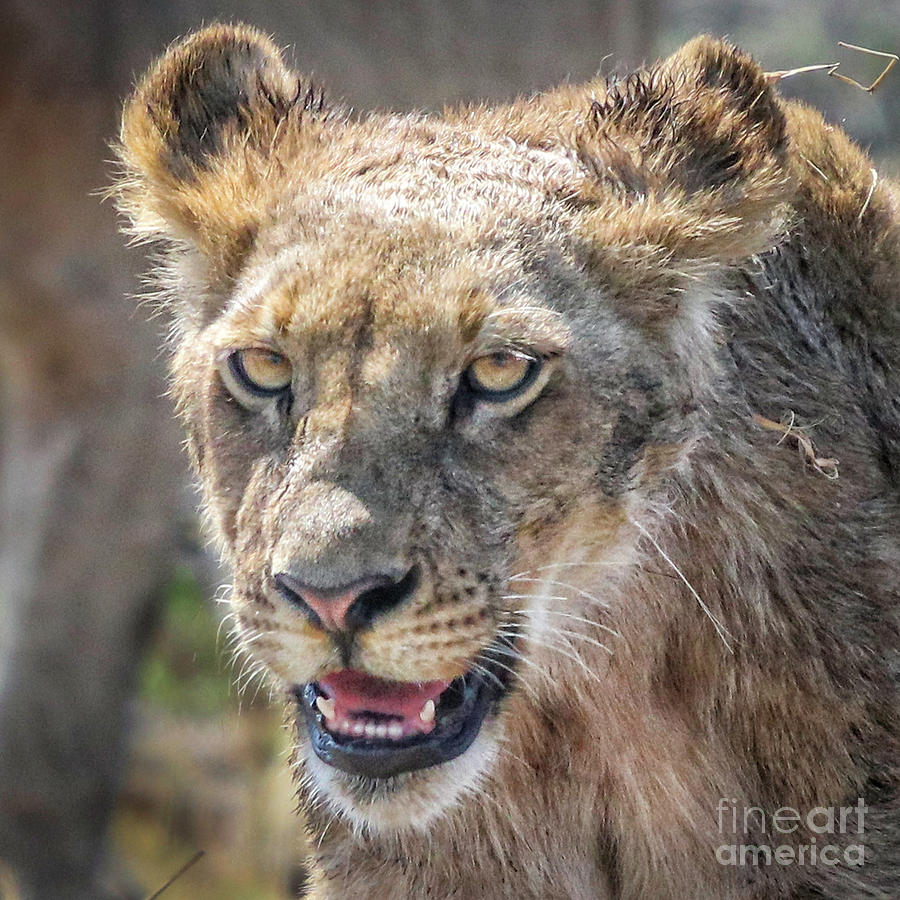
[395, 730]
[427, 714]
[381, 731]
[370, 729]
[326, 707]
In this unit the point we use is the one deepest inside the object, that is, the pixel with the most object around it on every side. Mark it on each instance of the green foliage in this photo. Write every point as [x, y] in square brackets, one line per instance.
[204, 776]
[184, 670]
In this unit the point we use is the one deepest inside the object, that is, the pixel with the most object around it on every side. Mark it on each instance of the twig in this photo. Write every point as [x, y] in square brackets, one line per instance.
[195, 858]
[865, 205]
[827, 466]
[788, 73]
[831, 69]
[892, 61]
[814, 167]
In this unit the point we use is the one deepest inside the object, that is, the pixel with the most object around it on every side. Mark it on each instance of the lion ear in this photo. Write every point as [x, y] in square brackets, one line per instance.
[198, 130]
[686, 161]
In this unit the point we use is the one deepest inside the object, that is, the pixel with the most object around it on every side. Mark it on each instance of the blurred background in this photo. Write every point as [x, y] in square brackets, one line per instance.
[124, 749]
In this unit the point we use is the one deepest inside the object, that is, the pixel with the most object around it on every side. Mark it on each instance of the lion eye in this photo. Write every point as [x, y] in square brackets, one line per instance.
[500, 376]
[262, 372]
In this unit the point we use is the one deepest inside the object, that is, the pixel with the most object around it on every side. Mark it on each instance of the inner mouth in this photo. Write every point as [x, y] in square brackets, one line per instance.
[378, 728]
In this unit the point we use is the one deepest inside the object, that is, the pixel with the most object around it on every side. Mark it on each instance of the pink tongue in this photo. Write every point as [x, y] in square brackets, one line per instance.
[355, 693]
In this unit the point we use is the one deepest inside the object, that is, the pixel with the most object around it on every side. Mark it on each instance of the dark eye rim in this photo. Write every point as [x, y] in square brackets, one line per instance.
[535, 364]
[239, 373]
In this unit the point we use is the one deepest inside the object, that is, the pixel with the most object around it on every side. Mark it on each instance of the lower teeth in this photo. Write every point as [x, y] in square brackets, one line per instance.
[372, 730]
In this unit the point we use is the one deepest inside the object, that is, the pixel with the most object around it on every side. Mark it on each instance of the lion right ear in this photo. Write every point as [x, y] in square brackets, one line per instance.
[197, 137]
[688, 171]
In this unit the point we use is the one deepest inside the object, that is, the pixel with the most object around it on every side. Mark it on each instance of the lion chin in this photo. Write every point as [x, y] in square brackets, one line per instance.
[411, 801]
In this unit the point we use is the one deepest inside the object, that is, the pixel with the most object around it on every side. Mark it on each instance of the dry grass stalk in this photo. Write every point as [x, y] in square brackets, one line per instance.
[892, 61]
[865, 205]
[827, 466]
[788, 73]
[832, 69]
[195, 858]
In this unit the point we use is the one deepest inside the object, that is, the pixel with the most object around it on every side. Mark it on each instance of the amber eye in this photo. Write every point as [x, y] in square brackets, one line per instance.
[262, 372]
[502, 375]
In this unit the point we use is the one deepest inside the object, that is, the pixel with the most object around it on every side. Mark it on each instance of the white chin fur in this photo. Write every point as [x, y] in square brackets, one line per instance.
[409, 802]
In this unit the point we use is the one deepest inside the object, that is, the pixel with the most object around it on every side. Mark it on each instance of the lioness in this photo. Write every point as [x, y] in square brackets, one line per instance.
[555, 448]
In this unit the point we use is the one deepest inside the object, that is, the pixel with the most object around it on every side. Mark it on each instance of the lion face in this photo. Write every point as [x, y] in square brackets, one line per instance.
[387, 438]
[424, 367]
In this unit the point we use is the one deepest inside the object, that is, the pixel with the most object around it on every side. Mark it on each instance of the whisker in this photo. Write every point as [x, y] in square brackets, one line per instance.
[565, 615]
[223, 593]
[519, 680]
[507, 752]
[259, 634]
[231, 616]
[487, 673]
[565, 584]
[568, 633]
[260, 682]
[512, 310]
[720, 628]
[256, 672]
[568, 651]
[572, 654]
[582, 637]
[324, 832]
[520, 657]
[517, 675]
[562, 565]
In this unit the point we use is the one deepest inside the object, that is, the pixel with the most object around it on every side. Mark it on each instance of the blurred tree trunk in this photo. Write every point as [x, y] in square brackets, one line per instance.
[90, 466]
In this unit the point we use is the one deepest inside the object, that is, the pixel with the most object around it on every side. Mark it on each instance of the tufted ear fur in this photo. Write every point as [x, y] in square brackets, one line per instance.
[197, 135]
[686, 167]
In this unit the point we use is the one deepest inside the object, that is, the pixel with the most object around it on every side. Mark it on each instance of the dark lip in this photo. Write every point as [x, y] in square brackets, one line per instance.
[470, 699]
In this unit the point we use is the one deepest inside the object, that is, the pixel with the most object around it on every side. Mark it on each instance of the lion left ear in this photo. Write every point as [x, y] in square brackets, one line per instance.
[686, 161]
[197, 134]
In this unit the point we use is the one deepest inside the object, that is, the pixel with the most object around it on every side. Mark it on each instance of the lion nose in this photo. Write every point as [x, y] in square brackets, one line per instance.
[351, 607]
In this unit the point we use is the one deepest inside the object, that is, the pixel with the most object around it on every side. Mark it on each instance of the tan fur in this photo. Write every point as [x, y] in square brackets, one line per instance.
[698, 616]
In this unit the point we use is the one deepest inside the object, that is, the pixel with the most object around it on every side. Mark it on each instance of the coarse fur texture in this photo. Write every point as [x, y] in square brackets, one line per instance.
[698, 613]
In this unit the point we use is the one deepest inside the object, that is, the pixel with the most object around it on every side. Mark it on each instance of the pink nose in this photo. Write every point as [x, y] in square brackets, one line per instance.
[330, 608]
[351, 606]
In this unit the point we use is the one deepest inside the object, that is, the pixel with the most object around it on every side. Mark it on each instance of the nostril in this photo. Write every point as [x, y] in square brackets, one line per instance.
[289, 588]
[381, 599]
[351, 607]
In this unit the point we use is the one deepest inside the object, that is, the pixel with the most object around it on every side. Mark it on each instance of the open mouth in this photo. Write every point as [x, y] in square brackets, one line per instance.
[378, 728]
